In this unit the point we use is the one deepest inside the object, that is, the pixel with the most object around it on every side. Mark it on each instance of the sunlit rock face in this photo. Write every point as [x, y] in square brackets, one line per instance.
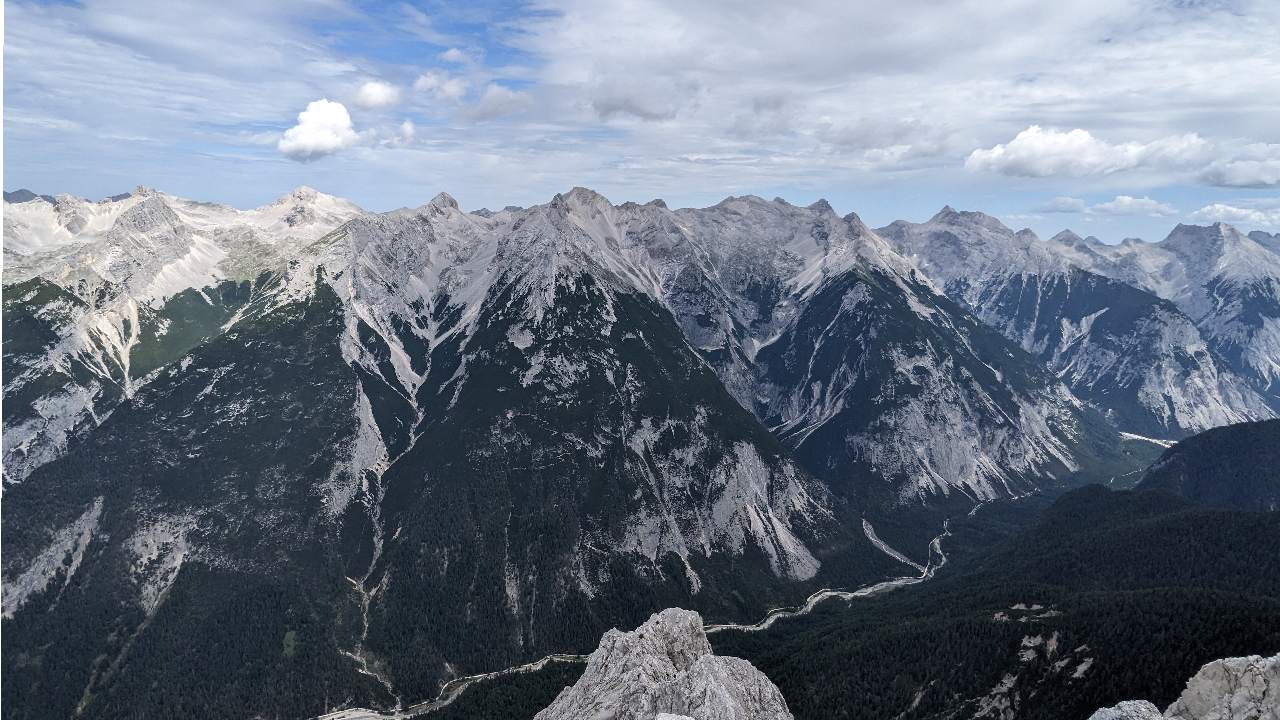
[665, 670]
[1241, 688]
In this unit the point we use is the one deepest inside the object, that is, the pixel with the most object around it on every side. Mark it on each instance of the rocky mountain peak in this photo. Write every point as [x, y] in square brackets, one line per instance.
[856, 224]
[1184, 233]
[443, 201]
[950, 216]
[1222, 250]
[822, 206]
[1196, 242]
[22, 195]
[962, 246]
[302, 193]
[300, 210]
[1240, 687]
[581, 197]
[665, 668]
[150, 214]
[305, 196]
[1271, 241]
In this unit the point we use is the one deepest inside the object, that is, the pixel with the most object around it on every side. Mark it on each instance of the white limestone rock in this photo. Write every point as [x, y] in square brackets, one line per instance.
[1241, 688]
[1129, 710]
[665, 670]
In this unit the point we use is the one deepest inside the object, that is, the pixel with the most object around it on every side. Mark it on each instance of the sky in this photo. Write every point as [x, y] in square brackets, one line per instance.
[1115, 118]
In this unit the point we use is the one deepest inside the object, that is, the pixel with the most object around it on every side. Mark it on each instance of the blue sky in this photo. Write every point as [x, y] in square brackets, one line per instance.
[1115, 118]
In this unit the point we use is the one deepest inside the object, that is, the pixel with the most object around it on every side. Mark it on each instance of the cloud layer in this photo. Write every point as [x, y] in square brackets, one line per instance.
[880, 105]
[1263, 216]
[1258, 166]
[1119, 205]
[1129, 205]
[1040, 152]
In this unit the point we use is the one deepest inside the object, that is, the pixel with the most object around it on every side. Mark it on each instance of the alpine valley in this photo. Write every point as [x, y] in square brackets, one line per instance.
[305, 458]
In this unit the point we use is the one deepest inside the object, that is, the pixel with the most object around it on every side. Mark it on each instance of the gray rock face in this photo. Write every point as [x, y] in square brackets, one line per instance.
[664, 670]
[1129, 710]
[1109, 335]
[1232, 689]
[1242, 688]
[1226, 282]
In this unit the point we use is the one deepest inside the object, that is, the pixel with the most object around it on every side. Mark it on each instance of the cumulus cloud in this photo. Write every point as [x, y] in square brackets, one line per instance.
[641, 97]
[323, 129]
[798, 108]
[441, 86]
[1045, 152]
[1063, 204]
[1236, 215]
[454, 55]
[497, 101]
[376, 94]
[407, 131]
[1129, 205]
[1119, 205]
[1256, 166]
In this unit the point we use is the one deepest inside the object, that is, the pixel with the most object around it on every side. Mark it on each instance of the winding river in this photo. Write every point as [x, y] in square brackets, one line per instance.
[455, 687]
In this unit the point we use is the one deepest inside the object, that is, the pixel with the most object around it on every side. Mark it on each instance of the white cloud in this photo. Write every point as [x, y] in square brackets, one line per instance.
[1129, 205]
[640, 97]
[1040, 152]
[782, 98]
[1119, 205]
[1063, 204]
[498, 101]
[390, 136]
[323, 129]
[1245, 216]
[1255, 166]
[441, 86]
[454, 55]
[376, 94]
[683, 78]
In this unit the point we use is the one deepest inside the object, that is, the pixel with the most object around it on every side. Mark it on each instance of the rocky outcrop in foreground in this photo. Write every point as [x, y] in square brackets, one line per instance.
[664, 670]
[1243, 688]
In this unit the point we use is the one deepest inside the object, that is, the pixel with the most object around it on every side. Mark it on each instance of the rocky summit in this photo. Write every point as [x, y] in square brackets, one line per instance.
[665, 668]
[1240, 688]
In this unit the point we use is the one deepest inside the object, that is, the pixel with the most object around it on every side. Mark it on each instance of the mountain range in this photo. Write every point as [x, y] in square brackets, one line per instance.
[1167, 338]
[418, 444]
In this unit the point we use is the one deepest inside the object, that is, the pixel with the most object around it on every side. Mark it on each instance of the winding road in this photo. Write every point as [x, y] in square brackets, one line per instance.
[456, 686]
